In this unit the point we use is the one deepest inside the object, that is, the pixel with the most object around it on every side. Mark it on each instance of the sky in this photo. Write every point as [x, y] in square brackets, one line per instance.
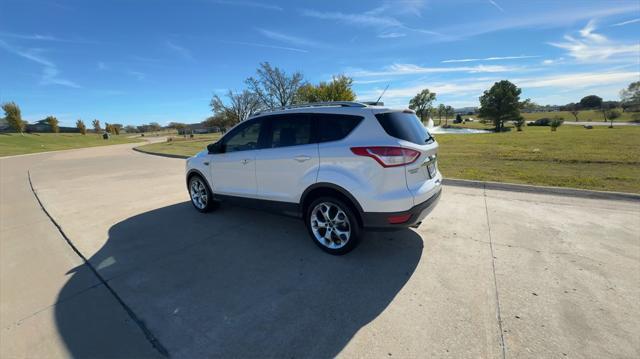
[138, 61]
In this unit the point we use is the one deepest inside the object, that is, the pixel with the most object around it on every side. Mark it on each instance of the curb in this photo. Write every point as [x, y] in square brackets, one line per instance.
[569, 192]
[159, 154]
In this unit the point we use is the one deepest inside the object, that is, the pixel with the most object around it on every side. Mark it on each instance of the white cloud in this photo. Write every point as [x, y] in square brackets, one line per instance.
[495, 58]
[293, 40]
[579, 80]
[592, 47]
[256, 44]
[50, 73]
[41, 37]
[411, 69]
[465, 92]
[535, 19]
[495, 4]
[183, 52]
[633, 21]
[400, 7]
[375, 20]
[391, 35]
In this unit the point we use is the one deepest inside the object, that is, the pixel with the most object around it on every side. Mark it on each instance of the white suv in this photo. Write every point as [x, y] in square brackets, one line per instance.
[341, 166]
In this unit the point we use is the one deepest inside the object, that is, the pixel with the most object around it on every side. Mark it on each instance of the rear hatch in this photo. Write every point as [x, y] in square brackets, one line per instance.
[422, 175]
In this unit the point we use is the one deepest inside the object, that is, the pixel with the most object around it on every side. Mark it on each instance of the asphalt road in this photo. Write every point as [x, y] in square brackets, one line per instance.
[489, 274]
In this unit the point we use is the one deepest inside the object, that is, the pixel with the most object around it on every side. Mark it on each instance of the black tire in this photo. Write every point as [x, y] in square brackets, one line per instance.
[204, 201]
[335, 245]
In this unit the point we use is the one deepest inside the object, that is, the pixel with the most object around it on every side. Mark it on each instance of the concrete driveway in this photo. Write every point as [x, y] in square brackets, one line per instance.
[489, 274]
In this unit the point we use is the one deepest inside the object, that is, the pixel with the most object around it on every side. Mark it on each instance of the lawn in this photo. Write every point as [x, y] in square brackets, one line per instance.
[601, 158]
[181, 146]
[16, 144]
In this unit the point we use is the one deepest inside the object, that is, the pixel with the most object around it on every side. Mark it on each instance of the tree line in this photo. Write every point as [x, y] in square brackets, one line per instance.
[501, 104]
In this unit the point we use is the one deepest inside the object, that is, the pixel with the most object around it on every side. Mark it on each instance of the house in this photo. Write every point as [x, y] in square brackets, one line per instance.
[43, 126]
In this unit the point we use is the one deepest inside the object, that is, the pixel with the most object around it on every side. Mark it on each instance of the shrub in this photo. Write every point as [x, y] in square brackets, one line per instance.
[519, 123]
[540, 122]
[635, 118]
[556, 122]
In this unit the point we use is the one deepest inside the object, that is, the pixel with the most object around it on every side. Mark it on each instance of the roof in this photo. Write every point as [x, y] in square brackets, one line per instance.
[331, 106]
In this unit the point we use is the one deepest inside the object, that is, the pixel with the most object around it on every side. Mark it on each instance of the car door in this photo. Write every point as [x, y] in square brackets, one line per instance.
[288, 162]
[233, 170]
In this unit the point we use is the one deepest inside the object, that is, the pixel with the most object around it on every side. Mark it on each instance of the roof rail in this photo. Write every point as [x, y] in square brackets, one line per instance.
[314, 104]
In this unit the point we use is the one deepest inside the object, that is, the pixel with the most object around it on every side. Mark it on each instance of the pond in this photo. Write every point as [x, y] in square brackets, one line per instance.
[437, 130]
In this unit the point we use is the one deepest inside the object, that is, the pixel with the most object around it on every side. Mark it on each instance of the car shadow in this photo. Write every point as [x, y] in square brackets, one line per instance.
[237, 283]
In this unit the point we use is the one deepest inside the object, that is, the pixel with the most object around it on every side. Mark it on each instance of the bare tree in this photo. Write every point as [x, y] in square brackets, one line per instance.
[241, 106]
[273, 87]
[96, 125]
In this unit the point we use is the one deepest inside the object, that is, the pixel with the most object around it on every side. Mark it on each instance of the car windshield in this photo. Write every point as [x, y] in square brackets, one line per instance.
[405, 126]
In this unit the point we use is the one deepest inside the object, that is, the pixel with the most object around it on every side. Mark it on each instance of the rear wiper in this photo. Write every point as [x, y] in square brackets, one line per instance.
[430, 138]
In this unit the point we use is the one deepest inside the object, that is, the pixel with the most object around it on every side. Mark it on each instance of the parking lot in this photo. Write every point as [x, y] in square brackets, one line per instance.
[489, 274]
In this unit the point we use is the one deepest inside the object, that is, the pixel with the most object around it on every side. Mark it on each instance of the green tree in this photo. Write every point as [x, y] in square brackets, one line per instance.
[441, 111]
[96, 125]
[220, 120]
[449, 112]
[81, 127]
[556, 122]
[130, 129]
[501, 103]
[591, 101]
[53, 122]
[338, 89]
[273, 87]
[612, 114]
[631, 97]
[422, 103]
[240, 106]
[13, 116]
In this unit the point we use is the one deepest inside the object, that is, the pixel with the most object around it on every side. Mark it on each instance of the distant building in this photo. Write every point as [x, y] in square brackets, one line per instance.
[4, 125]
[198, 128]
[43, 126]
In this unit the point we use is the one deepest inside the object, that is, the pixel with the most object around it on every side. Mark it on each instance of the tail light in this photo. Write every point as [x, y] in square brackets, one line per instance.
[388, 156]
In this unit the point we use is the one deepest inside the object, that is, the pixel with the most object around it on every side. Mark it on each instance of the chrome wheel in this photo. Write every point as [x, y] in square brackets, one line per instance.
[330, 225]
[198, 192]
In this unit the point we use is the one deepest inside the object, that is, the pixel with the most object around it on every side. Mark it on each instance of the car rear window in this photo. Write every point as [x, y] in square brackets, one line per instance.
[405, 126]
[332, 127]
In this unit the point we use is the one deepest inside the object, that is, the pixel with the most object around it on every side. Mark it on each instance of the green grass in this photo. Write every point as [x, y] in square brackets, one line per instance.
[181, 146]
[16, 144]
[586, 115]
[601, 158]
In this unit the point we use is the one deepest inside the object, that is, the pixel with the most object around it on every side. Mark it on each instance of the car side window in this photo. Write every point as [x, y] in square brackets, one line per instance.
[244, 139]
[335, 127]
[289, 130]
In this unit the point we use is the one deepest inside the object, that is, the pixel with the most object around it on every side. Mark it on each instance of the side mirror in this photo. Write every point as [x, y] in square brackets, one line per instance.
[217, 147]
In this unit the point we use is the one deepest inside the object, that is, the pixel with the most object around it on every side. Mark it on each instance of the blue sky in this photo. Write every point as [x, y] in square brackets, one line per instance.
[138, 61]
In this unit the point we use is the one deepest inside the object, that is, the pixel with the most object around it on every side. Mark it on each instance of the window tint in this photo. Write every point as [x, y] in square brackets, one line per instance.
[290, 130]
[335, 127]
[246, 138]
[405, 126]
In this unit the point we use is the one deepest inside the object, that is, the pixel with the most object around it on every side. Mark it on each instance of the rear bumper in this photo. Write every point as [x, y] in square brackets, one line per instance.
[380, 220]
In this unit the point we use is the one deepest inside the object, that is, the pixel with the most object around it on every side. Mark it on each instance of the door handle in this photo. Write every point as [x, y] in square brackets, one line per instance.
[245, 161]
[302, 158]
